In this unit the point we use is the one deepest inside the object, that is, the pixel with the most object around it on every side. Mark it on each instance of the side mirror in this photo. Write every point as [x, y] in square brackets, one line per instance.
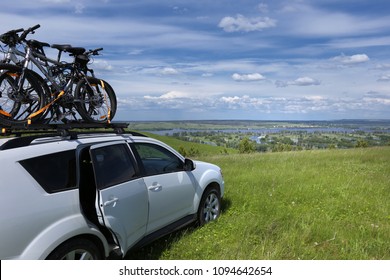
[189, 165]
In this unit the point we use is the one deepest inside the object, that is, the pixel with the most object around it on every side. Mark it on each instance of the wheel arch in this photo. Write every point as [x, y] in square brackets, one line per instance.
[51, 238]
[90, 237]
[215, 185]
[212, 184]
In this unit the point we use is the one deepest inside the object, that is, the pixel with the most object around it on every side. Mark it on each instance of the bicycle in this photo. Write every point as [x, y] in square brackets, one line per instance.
[65, 86]
[17, 99]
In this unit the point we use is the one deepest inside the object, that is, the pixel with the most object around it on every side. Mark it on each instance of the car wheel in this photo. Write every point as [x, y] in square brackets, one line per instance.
[209, 207]
[76, 249]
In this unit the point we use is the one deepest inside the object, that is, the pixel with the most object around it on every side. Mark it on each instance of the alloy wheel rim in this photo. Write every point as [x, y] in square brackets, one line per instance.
[78, 254]
[211, 208]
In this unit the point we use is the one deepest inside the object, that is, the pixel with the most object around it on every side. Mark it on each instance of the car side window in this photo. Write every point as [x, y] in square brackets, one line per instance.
[158, 160]
[112, 165]
[54, 172]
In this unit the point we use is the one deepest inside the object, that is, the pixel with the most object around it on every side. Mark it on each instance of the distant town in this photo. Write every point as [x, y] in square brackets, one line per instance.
[275, 136]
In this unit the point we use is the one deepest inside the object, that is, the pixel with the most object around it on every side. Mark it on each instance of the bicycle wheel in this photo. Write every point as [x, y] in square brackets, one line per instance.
[95, 100]
[19, 96]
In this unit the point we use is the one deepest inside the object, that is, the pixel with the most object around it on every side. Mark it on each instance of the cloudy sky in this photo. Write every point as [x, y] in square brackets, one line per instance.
[227, 59]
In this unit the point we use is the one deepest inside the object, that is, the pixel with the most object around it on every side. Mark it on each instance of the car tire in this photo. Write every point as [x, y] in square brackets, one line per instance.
[210, 206]
[76, 249]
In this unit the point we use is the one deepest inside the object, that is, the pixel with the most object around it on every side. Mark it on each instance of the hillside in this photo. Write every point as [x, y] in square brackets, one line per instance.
[200, 149]
[322, 204]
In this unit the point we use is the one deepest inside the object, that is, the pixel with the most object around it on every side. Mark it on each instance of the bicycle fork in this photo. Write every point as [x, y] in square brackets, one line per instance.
[17, 91]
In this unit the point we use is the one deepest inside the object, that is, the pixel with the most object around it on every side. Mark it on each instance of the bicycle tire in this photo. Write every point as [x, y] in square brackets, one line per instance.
[95, 100]
[16, 107]
[47, 96]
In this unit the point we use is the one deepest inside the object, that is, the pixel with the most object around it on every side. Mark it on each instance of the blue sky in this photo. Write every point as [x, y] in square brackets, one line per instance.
[248, 59]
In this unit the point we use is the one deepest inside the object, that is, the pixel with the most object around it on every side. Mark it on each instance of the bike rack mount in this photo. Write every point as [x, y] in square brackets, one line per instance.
[63, 129]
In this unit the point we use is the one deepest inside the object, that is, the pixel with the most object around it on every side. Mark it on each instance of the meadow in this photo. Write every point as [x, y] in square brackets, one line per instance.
[317, 204]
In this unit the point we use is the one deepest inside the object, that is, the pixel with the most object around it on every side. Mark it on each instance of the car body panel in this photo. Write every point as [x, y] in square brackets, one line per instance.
[124, 210]
[59, 232]
[170, 198]
[35, 222]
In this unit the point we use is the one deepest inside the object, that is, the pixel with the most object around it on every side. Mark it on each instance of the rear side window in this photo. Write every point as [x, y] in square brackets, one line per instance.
[113, 165]
[54, 172]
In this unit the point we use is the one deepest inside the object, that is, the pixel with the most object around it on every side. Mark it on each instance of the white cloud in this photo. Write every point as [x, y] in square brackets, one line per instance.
[56, 1]
[384, 78]
[229, 99]
[169, 71]
[376, 101]
[247, 77]
[288, 107]
[302, 81]
[102, 65]
[306, 81]
[79, 8]
[170, 95]
[157, 70]
[306, 19]
[135, 52]
[353, 59]
[359, 42]
[315, 98]
[263, 7]
[241, 23]
[383, 66]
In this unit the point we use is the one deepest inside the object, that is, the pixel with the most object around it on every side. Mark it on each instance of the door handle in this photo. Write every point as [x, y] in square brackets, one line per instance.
[155, 187]
[111, 201]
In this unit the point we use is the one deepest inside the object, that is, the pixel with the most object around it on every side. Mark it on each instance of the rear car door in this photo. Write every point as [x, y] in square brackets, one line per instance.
[170, 189]
[122, 201]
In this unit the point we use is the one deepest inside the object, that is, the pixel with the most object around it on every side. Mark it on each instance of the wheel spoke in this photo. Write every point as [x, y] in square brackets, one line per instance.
[70, 256]
[78, 254]
[215, 211]
[214, 203]
[86, 256]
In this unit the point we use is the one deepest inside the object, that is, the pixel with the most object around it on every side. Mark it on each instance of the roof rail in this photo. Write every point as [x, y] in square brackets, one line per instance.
[67, 131]
[63, 129]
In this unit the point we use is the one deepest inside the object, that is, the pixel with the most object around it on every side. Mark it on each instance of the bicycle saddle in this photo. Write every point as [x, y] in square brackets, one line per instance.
[61, 47]
[75, 50]
[38, 44]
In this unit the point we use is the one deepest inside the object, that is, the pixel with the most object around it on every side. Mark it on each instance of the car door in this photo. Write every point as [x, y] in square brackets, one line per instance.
[170, 189]
[122, 200]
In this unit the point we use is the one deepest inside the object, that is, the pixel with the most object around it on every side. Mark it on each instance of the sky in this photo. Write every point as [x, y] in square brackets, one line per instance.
[227, 59]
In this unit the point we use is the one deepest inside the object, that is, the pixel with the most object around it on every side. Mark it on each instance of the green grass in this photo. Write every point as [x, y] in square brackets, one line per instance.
[328, 204]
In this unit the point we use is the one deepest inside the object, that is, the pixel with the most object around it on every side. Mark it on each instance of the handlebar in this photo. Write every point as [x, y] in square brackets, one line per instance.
[29, 30]
[10, 37]
[93, 52]
[14, 31]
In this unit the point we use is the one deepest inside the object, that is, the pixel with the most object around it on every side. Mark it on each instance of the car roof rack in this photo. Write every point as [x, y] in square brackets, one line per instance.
[63, 130]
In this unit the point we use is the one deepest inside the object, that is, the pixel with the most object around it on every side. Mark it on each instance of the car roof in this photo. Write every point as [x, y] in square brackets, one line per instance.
[58, 133]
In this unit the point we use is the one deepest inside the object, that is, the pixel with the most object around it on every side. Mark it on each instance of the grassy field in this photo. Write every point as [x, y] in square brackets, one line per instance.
[323, 204]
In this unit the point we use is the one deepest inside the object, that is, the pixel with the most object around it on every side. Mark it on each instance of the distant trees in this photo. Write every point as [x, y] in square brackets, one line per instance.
[246, 146]
[361, 144]
[188, 153]
[246, 141]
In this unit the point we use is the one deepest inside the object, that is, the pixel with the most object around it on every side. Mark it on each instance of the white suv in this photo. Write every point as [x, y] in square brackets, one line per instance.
[94, 196]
